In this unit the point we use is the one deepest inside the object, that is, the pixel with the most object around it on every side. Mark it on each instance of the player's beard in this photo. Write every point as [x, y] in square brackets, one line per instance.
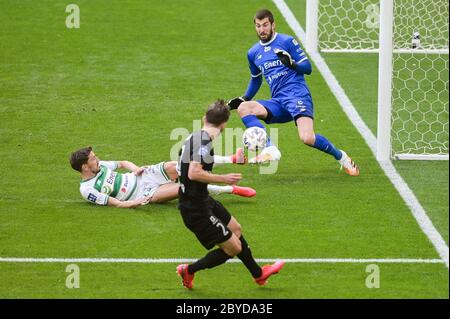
[270, 35]
[96, 169]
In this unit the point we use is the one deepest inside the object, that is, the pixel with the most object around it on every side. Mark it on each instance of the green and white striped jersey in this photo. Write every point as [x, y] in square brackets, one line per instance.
[107, 183]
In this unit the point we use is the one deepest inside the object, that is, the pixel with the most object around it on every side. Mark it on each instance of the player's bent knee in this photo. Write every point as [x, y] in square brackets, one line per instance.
[236, 250]
[237, 231]
[235, 227]
[245, 109]
[169, 166]
[155, 199]
[308, 138]
[251, 108]
[171, 169]
[232, 247]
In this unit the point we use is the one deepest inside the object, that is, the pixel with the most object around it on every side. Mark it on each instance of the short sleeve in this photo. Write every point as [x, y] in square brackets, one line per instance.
[202, 149]
[112, 165]
[94, 196]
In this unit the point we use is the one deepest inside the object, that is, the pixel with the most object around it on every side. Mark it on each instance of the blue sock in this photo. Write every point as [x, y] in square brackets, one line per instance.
[251, 121]
[324, 145]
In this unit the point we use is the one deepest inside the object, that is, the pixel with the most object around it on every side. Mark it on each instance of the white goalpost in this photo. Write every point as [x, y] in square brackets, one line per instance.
[384, 145]
[411, 40]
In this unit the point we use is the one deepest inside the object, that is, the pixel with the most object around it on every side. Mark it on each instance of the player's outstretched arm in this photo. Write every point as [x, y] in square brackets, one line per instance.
[197, 173]
[127, 204]
[130, 167]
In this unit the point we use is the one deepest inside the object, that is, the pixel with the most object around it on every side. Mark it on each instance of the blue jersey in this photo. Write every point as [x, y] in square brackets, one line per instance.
[281, 79]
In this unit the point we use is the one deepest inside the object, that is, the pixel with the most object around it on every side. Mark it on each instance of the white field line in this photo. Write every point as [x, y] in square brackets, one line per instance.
[42, 200]
[189, 260]
[405, 192]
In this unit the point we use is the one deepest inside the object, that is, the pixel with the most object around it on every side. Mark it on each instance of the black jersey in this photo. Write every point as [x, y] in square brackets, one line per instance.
[198, 148]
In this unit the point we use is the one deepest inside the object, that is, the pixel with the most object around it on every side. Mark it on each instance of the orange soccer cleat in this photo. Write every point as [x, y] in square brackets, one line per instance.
[269, 270]
[349, 166]
[239, 157]
[243, 191]
[188, 279]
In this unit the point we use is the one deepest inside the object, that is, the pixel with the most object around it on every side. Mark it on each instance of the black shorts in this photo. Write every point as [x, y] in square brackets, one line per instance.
[208, 222]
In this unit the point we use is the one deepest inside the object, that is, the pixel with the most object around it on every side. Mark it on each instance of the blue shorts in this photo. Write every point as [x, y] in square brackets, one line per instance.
[289, 108]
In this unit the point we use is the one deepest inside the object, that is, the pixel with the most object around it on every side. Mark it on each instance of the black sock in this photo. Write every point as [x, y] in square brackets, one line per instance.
[212, 259]
[246, 257]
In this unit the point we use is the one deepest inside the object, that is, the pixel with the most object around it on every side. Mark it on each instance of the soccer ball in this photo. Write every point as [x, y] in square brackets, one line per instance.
[254, 138]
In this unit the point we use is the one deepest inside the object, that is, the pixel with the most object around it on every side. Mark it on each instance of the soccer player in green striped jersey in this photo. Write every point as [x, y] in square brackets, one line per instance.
[101, 184]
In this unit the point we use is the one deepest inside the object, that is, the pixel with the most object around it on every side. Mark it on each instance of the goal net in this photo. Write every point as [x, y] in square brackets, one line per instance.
[420, 70]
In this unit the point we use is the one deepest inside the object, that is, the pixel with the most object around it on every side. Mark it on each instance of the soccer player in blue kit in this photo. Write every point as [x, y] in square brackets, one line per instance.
[282, 62]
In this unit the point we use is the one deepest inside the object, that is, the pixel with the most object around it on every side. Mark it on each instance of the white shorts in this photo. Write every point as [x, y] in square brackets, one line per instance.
[151, 179]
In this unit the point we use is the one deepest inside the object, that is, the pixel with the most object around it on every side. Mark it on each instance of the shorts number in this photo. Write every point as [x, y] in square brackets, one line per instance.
[224, 231]
[218, 225]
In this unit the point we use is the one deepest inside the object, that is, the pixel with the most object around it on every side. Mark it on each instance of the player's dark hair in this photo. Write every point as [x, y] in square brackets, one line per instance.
[262, 14]
[80, 157]
[218, 113]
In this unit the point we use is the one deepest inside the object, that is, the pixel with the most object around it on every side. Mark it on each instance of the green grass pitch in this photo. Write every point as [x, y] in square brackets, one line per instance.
[133, 72]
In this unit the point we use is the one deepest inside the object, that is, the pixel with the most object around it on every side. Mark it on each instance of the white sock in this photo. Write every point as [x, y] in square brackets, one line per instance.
[344, 156]
[222, 160]
[216, 189]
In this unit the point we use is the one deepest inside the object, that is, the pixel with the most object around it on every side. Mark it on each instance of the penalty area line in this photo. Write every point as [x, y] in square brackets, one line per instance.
[187, 260]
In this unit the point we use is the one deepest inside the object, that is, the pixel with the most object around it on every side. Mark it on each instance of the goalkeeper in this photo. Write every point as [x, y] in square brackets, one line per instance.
[102, 185]
[279, 58]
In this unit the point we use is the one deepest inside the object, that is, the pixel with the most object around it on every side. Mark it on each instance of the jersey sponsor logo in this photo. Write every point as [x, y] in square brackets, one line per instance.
[92, 198]
[276, 76]
[111, 177]
[269, 65]
[294, 42]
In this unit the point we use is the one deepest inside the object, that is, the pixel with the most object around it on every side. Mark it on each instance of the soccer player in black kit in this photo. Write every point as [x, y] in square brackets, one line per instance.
[207, 218]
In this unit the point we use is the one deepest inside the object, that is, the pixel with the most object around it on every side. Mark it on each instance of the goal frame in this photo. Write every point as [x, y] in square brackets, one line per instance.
[385, 74]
